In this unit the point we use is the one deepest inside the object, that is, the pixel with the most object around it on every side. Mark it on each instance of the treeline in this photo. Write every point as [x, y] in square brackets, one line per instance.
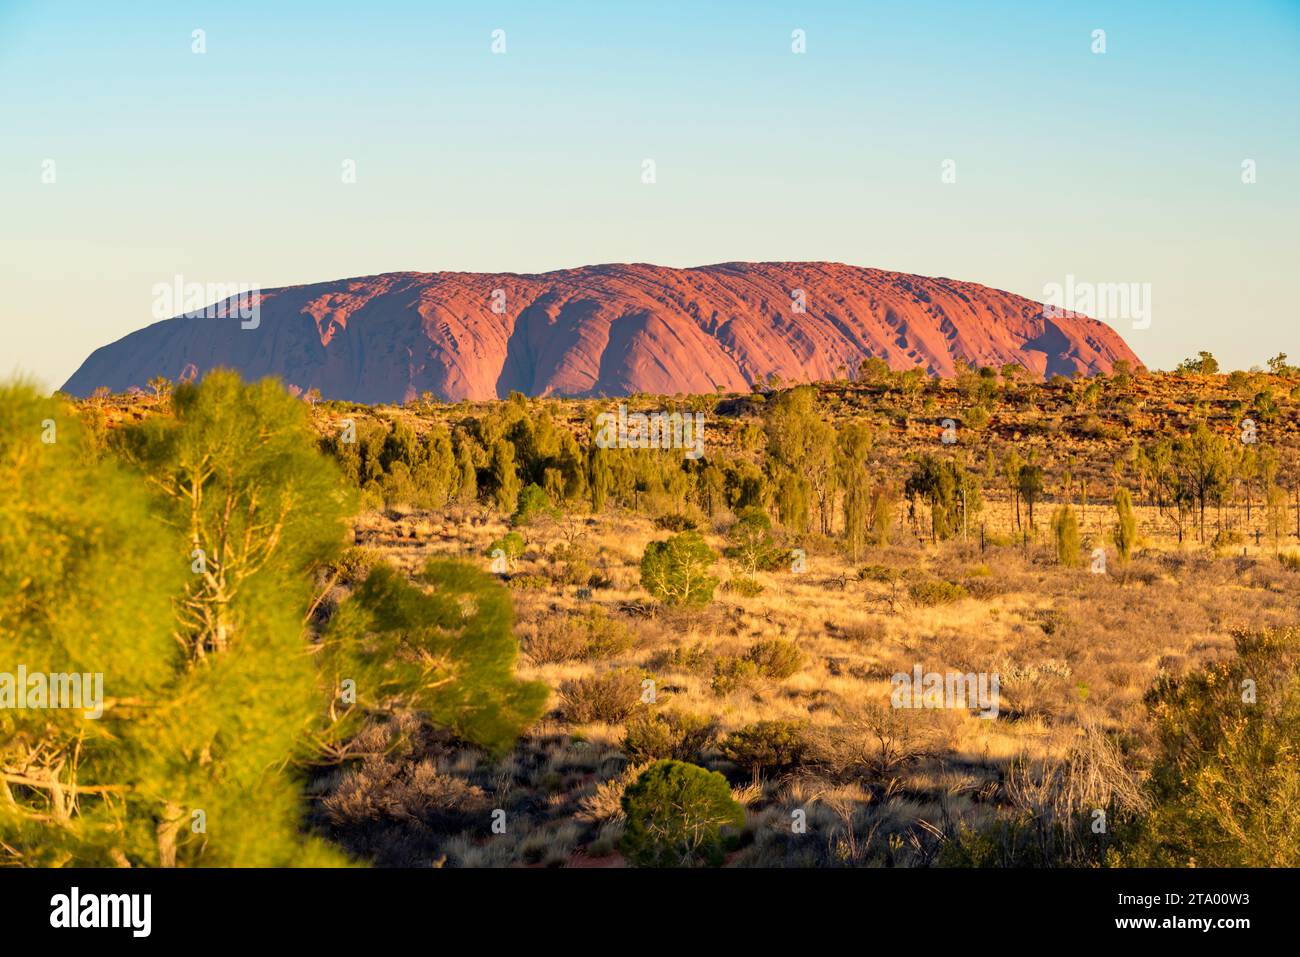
[810, 473]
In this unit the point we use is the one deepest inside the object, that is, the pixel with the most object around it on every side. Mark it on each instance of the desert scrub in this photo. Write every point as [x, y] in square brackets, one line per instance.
[608, 697]
[655, 735]
[744, 587]
[766, 746]
[731, 674]
[678, 815]
[1225, 779]
[776, 658]
[589, 634]
[936, 592]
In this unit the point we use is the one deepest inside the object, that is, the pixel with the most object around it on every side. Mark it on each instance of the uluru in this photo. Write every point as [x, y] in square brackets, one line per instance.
[607, 330]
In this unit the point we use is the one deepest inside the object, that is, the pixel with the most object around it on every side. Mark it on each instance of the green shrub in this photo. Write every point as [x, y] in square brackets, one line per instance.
[750, 542]
[731, 673]
[608, 697]
[776, 658]
[1125, 532]
[936, 592]
[767, 745]
[1225, 781]
[533, 504]
[676, 571]
[655, 735]
[877, 573]
[744, 587]
[678, 815]
[1065, 536]
[510, 544]
[676, 523]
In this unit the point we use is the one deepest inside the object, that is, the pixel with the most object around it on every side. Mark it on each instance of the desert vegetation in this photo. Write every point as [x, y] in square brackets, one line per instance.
[467, 634]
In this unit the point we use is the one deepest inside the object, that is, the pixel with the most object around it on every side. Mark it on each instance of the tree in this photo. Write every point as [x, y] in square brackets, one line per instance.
[1203, 468]
[503, 475]
[444, 647]
[1065, 533]
[87, 578]
[257, 505]
[951, 492]
[855, 442]
[678, 815]
[676, 571]
[1203, 364]
[533, 503]
[750, 540]
[800, 457]
[599, 477]
[1124, 534]
[1030, 483]
[1011, 466]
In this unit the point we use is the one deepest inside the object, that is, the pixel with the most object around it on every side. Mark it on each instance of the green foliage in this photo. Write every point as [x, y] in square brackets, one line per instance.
[657, 735]
[511, 545]
[855, 442]
[1065, 535]
[936, 592]
[1226, 782]
[534, 503]
[951, 492]
[609, 697]
[503, 478]
[749, 540]
[678, 815]
[87, 579]
[1029, 483]
[676, 571]
[1124, 534]
[766, 746]
[776, 658]
[444, 647]
[1202, 364]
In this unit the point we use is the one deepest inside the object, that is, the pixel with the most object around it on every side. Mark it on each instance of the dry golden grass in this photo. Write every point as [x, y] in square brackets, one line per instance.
[1075, 652]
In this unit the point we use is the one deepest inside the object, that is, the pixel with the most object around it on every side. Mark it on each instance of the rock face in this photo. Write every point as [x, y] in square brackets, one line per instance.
[606, 331]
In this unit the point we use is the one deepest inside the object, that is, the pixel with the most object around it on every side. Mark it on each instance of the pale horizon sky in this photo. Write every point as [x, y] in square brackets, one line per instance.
[225, 166]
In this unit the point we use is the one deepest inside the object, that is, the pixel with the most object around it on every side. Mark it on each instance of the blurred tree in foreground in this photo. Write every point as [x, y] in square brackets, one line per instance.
[187, 588]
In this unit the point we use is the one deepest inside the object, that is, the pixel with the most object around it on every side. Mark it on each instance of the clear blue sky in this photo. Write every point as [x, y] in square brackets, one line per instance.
[226, 166]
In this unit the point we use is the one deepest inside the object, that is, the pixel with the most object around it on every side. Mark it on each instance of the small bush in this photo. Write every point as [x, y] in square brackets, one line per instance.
[676, 523]
[511, 545]
[767, 745]
[732, 673]
[589, 634]
[678, 815]
[936, 592]
[656, 735]
[608, 697]
[1225, 778]
[744, 587]
[1065, 536]
[776, 658]
[533, 504]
